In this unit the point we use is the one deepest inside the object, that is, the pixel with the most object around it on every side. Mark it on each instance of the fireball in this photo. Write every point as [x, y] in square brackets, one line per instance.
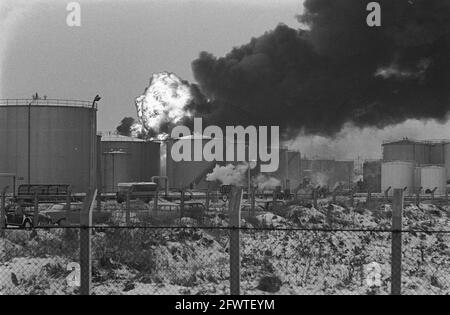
[163, 102]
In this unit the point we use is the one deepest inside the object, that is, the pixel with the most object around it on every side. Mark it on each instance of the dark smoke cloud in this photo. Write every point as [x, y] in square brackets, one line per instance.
[124, 129]
[337, 71]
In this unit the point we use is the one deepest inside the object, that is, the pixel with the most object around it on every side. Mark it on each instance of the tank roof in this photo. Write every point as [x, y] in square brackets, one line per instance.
[413, 141]
[119, 138]
[47, 102]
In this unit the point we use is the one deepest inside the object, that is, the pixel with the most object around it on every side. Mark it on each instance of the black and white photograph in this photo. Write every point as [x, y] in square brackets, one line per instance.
[224, 153]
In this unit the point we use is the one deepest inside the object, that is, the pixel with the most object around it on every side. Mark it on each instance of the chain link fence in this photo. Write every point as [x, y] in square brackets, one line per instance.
[39, 262]
[293, 247]
[194, 260]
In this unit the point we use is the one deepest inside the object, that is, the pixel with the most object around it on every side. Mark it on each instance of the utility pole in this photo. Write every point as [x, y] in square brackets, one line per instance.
[235, 257]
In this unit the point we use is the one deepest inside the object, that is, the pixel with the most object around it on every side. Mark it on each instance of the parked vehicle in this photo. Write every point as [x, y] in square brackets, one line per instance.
[194, 210]
[59, 215]
[270, 205]
[23, 217]
[246, 207]
[176, 195]
[137, 191]
[191, 209]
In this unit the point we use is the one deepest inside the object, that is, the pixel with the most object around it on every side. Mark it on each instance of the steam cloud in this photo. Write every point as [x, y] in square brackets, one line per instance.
[237, 175]
[266, 182]
[337, 71]
[229, 175]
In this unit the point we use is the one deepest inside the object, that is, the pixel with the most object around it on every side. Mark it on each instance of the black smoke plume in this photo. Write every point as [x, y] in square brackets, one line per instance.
[125, 127]
[336, 70]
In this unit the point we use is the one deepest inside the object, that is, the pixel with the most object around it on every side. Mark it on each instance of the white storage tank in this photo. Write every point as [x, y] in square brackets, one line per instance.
[432, 177]
[397, 174]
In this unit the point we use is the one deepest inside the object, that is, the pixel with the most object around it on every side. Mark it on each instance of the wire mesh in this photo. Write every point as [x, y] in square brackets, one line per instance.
[39, 262]
[333, 249]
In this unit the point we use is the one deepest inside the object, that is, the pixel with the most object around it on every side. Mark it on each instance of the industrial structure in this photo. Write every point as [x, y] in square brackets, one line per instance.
[416, 166]
[127, 159]
[372, 176]
[291, 172]
[51, 142]
[48, 141]
[188, 174]
[328, 172]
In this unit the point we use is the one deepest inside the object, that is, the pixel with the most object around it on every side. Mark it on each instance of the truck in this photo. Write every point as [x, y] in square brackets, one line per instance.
[145, 191]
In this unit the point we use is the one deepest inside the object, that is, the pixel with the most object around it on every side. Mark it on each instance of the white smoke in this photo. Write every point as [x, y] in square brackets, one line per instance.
[319, 179]
[164, 101]
[229, 175]
[365, 143]
[266, 182]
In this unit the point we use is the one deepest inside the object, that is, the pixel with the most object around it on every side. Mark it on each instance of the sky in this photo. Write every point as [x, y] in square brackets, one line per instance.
[120, 44]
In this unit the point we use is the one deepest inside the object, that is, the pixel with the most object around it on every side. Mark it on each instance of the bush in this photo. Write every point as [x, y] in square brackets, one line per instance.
[271, 284]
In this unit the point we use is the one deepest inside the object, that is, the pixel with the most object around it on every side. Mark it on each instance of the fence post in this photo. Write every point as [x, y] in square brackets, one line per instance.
[207, 198]
[36, 210]
[253, 200]
[99, 201]
[127, 209]
[235, 259]
[386, 193]
[68, 205]
[156, 198]
[182, 203]
[396, 264]
[352, 197]
[314, 195]
[3, 212]
[85, 243]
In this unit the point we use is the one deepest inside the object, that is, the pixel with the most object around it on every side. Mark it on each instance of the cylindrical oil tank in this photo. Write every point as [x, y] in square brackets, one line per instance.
[437, 153]
[447, 159]
[188, 173]
[432, 177]
[126, 159]
[397, 175]
[406, 150]
[49, 142]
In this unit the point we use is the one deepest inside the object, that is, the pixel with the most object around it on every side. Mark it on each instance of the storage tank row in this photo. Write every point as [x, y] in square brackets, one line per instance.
[420, 152]
[405, 175]
[56, 142]
[193, 173]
